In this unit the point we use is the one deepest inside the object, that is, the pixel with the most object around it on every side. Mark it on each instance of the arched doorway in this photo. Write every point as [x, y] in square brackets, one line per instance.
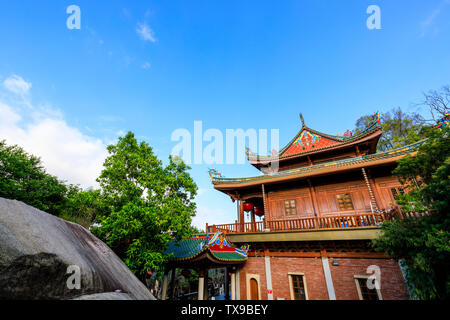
[253, 289]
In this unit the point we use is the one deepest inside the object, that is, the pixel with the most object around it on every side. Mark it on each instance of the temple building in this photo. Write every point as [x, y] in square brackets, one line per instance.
[306, 223]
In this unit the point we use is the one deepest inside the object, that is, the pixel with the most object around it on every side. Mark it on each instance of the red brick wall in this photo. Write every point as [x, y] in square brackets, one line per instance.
[310, 267]
[392, 283]
[254, 265]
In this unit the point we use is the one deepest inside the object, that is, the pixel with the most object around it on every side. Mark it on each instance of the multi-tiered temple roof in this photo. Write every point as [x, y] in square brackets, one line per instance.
[313, 153]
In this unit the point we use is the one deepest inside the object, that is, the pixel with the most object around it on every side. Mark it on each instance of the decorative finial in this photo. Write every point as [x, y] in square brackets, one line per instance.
[303, 121]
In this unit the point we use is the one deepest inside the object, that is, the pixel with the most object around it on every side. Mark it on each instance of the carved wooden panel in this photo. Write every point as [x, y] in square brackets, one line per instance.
[303, 203]
[384, 186]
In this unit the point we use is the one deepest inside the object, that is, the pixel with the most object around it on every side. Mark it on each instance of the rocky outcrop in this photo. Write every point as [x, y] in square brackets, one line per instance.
[40, 256]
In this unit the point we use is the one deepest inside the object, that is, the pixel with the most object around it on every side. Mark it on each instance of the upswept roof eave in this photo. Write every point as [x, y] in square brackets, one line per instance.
[316, 169]
[228, 260]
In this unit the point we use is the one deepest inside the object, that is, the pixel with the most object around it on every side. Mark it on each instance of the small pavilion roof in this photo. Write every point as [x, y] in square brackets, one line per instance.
[215, 247]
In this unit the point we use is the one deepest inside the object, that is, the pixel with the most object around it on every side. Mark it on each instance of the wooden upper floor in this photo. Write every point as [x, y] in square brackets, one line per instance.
[323, 182]
[350, 200]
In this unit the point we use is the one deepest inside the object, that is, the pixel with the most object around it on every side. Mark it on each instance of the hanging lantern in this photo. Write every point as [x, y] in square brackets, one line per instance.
[149, 272]
[185, 273]
[259, 211]
[248, 206]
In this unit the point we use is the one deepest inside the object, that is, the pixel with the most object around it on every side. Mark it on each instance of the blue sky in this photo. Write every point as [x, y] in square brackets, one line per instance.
[156, 66]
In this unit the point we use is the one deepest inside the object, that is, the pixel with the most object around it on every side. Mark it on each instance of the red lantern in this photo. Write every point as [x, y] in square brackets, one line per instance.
[248, 206]
[259, 211]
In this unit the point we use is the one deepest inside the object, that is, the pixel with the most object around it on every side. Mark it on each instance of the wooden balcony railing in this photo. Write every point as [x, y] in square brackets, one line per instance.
[365, 220]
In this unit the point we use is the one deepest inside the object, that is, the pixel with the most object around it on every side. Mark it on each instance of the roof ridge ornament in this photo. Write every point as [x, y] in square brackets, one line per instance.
[303, 120]
[214, 174]
[374, 120]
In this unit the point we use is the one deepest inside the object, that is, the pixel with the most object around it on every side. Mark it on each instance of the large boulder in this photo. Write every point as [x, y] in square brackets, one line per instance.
[38, 253]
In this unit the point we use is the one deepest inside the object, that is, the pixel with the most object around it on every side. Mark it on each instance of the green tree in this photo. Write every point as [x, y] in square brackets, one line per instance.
[83, 206]
[423, 244]
[399, 128]
[24, 178]
[148, 204]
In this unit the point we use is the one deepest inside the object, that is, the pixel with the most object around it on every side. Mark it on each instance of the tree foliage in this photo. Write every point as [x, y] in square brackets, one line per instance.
[148, 204]
[424, 244]
[24, 178]
[399, 128]
[83, 206]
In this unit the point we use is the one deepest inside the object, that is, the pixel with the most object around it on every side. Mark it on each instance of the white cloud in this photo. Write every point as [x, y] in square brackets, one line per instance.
[17, 84]
[146, 65]
[429, 21]
[145, 32]
[64, 150]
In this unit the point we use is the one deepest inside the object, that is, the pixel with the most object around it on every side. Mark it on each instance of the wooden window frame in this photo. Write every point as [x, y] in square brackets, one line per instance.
[291, 284]
[398, 190]
[290, 207]
[358, 288]
[343, 196]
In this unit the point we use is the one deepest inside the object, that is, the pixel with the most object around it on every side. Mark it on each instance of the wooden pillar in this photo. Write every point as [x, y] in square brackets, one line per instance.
[164, 286]
[253, 220]
[233, 286]
[205, 290]
[172, 284]
[238, 286]
[238, 212]
[227, 288]
[201, 287]
[241, 212]
[266, 211]
[373, 201]
[202, 284]
[312, 193]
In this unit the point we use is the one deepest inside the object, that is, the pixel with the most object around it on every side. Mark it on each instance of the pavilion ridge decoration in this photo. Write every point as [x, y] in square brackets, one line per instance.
[306, 139]
[243, 251]
[214, 174]
[443, 122]
[309, 140]
[218, 242]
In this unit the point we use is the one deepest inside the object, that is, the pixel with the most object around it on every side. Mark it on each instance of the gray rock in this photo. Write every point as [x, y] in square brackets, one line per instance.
[105, 296]
[37, 248]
